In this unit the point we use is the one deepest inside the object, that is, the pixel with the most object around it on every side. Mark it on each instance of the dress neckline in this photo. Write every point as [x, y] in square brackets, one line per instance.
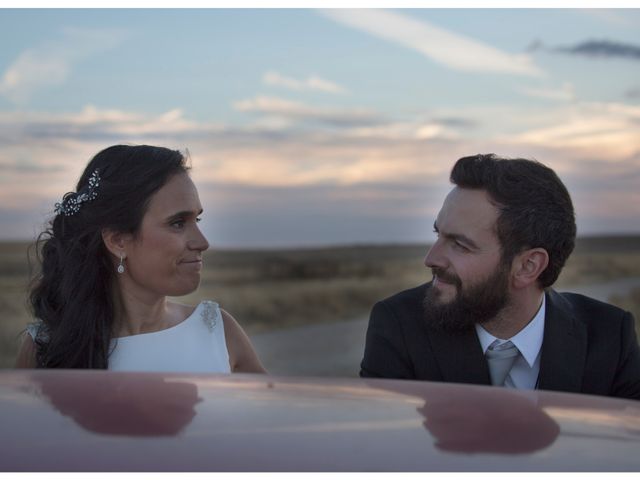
[171, 328]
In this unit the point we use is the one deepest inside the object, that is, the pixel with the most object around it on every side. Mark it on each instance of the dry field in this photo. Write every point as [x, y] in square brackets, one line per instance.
[272, 289]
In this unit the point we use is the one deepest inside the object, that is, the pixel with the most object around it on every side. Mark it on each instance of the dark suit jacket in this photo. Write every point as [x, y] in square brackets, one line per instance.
[588, 346]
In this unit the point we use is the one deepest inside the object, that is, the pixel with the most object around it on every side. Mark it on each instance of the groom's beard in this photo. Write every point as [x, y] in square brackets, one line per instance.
[476, 303]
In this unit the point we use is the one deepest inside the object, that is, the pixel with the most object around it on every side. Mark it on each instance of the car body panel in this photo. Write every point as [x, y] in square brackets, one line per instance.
[113, 421]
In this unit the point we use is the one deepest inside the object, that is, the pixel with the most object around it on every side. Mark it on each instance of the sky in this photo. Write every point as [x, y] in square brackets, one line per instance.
[311, 127]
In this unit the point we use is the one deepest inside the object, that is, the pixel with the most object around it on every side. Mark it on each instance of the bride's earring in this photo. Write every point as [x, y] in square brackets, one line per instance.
[121, 266]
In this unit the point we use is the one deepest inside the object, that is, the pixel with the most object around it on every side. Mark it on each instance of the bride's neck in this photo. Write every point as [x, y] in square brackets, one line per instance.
[137, 315]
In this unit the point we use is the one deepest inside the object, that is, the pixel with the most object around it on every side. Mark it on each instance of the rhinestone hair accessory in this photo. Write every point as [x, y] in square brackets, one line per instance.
[72, 202]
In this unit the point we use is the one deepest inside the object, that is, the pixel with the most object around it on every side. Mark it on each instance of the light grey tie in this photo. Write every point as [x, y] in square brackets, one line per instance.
[500, 359]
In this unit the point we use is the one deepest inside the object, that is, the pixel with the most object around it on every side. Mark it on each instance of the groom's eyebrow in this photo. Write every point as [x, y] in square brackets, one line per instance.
[456, 236]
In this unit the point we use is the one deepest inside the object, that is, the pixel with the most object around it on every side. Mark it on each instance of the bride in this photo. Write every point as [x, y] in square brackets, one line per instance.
[127, 239]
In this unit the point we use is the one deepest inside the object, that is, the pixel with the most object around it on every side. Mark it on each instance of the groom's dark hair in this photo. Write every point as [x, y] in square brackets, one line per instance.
[535, 207]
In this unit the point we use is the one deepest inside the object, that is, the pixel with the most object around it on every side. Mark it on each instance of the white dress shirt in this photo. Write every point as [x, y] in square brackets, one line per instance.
[524, 373]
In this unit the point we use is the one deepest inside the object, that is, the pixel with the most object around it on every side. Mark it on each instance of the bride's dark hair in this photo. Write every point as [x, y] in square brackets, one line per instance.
[73, 294]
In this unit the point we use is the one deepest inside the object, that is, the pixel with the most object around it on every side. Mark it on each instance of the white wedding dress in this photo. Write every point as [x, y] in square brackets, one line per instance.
[195, 345]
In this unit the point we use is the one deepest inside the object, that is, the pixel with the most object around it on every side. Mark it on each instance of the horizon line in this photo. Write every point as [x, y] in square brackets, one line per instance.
[356, 244]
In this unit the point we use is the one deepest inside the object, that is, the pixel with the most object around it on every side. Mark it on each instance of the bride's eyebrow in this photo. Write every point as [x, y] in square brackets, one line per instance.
[184, 213]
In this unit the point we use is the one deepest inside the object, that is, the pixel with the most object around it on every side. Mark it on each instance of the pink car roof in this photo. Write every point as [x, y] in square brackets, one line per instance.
[110, 421]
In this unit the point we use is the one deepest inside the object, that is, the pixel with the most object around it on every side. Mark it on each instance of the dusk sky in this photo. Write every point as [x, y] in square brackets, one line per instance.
[317, 127]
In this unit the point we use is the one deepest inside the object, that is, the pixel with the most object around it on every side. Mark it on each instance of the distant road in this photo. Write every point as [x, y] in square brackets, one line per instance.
[336, 349]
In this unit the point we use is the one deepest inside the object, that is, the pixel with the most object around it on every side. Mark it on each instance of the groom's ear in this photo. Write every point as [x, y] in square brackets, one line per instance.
[528, 266]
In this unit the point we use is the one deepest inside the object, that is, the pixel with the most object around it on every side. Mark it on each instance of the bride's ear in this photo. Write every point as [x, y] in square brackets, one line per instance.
[116, 242]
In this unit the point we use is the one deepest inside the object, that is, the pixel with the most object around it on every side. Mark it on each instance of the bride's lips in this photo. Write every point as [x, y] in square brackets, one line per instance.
[195, 264]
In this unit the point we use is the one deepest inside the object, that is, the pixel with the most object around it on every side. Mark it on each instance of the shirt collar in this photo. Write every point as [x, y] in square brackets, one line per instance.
[528, 340]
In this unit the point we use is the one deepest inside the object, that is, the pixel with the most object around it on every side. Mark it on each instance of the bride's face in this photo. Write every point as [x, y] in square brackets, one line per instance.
[165, 258]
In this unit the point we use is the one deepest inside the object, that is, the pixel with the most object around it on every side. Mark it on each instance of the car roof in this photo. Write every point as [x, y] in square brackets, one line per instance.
[62, 420]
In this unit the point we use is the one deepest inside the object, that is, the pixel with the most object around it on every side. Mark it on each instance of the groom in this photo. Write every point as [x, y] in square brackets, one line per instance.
[489, 315]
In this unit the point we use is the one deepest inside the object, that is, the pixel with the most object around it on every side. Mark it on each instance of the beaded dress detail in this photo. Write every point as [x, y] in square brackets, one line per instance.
[210, 313]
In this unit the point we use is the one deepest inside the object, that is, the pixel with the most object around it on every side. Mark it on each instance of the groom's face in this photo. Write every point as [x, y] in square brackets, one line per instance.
[468, 272]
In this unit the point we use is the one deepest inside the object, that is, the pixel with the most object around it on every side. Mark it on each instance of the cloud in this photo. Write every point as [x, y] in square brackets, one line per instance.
[418, 129]
[355, 183]
[607, 130]
[617, 17]
[58, 144]
[50, 64]
[603, 49]
[566, 93]
[28, 165]
[450, 49]
[92, 124]
[255, 216]
[593, 49]
[633, 93]
[300, 111]
[310, 83]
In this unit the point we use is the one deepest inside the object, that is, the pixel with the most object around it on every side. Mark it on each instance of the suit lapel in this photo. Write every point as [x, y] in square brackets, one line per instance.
[564, 347]
[459, 356]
